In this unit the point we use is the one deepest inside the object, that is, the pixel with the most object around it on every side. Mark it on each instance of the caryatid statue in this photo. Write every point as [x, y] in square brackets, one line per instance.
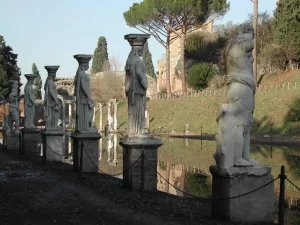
[13, 100]
[236, 116]
[136, 84]
[29, 102]
[84, 102]
[51, 103]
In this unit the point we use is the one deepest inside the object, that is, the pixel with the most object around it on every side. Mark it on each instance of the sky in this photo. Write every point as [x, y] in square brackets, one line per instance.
[50, 32]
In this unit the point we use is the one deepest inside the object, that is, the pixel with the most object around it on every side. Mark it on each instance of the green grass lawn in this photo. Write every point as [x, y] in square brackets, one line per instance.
[271, 109]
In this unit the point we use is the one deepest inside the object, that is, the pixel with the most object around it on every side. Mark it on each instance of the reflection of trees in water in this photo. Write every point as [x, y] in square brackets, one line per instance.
[191, 180]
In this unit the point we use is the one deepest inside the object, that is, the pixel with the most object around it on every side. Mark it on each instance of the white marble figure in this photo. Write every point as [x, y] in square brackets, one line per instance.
[136, 85]
[29, 102]
[51, 103]
[13, 98]
[84, 102]
[236, 116]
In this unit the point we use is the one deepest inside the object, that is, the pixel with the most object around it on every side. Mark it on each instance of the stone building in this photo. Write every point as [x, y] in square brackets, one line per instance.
[175, 56]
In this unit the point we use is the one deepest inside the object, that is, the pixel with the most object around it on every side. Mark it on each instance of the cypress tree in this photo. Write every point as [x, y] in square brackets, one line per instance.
[100, 60]
[286, 26]
[147, 58]
[9, 69]
[37, 82]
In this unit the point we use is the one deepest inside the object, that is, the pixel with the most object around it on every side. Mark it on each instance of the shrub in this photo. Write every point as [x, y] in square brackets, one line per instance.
[199, 75]
[293, 114]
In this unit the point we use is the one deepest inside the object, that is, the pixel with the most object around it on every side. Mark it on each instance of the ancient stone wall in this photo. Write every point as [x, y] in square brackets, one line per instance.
[175, 56]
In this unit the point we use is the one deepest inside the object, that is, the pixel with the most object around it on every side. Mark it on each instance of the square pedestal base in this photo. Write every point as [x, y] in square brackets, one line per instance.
[53, 145]
[132, 150]
[257, 207]
[31, 141]
[12, 142]
[90, 152]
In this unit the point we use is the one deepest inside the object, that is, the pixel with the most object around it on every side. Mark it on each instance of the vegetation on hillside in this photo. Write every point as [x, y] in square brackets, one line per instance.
[270, 111]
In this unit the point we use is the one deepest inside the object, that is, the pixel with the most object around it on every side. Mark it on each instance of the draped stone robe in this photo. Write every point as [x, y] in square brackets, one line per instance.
[51, 105]
[29, 106]
[136, 86]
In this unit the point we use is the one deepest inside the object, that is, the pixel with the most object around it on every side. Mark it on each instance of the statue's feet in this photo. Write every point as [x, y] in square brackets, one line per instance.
[242, 163]
[253, 162]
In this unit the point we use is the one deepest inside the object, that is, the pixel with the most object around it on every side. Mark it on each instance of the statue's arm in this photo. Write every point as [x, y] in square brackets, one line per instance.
[85, 87]
[141, 76]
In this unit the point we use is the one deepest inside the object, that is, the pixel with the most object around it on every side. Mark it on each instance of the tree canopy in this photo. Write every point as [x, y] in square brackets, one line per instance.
[100, 59]
[9, 69]
[286, 26]
[37, 82]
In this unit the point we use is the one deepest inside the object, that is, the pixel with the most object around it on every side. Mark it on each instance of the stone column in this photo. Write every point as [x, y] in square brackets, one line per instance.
[85, 138]
[31, 136]
[94, 116]
[70, 115]
[115, 149]
[115, 116]
[137, 143]
[100, 117]
[53, 147]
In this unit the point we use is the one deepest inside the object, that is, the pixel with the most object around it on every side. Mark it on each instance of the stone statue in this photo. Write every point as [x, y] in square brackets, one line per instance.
[136, 85]
[29, 102]
[84, 102]
[51, 103]
[236, 116]
[13, 100]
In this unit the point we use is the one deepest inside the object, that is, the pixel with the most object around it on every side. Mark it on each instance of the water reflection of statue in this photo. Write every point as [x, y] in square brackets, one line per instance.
[13, 99]
[52, 106]
[109, 147]
[29, 102]
[84, 102]
[236, 116]
[136, 85]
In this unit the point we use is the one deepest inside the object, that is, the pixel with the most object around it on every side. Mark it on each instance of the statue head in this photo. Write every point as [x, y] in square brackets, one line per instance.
[30, 78]
[245, 30]
[137, 41]
[83, 60]
[52, 71]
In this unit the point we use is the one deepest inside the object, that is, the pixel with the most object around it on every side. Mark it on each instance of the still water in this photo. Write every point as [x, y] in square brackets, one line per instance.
[185, 163]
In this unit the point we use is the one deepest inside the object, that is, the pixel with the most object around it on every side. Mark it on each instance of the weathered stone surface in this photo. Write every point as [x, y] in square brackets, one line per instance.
[236, 116]
[90, 141]
[136, 84]
[12, 142]
[257, 207]
[53, 147]
[132, 150]
[29, 102]
[32, 140]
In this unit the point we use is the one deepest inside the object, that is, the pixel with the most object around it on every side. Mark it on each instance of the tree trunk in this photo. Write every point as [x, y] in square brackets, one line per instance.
[255, 22]
[182, 62]
[167, 65]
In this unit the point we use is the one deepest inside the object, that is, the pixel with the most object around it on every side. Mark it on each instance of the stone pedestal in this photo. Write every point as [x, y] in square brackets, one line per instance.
[132, 150]
[31, 141]
[257, 207]
[90, 141]
[53, 148]
[12, 142]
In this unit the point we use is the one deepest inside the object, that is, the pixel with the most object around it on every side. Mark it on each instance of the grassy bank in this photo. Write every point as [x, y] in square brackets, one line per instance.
[271, 108]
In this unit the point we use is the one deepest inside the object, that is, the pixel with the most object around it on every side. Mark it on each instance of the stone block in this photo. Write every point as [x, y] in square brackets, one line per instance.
[132, 150]
[90, 141]
[31, 141]
[13, 142]
[53, 148]
[256, 207]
